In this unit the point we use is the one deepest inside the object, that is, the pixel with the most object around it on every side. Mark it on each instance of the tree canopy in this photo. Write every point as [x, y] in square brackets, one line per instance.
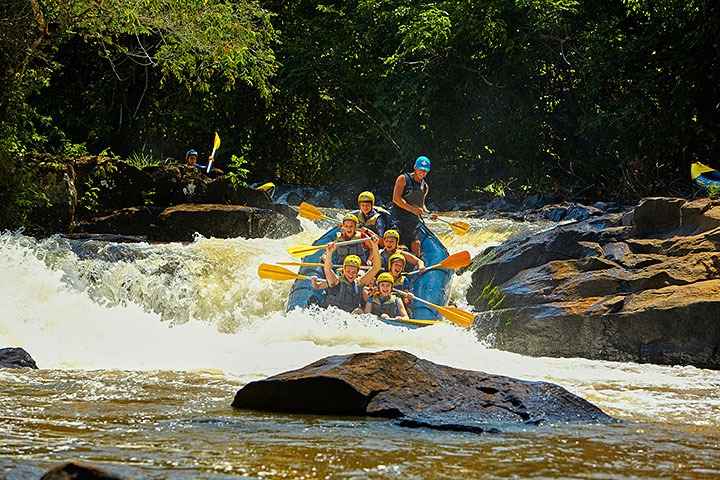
[585, 98]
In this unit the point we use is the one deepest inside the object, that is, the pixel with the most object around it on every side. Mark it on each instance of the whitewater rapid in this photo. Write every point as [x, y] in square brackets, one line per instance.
[201, 307]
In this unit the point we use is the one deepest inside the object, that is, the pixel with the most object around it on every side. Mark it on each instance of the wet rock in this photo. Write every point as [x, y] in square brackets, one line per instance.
[181, 223]
[129, 221]
[77, 471]
[634, 287]
[14, 357]
[398, 385]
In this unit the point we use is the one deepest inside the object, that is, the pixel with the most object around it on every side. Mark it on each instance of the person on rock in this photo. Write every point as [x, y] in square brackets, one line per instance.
[409, 195]
[344, 290]
[191, 158]
[384, 303]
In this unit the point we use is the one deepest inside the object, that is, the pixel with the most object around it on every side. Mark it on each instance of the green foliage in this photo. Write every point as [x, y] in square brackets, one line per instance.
[590, 98]
[238, 175]
[143, 159]
[19, 193]
[89, 200]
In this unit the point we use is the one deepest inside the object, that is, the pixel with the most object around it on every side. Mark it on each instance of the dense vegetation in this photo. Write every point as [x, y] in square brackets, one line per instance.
[586, 98]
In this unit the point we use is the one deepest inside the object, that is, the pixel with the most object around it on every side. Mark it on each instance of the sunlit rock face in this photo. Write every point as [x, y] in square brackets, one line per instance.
[641, 286]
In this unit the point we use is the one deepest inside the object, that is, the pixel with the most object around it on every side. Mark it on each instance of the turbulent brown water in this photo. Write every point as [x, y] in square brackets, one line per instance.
[141, 349]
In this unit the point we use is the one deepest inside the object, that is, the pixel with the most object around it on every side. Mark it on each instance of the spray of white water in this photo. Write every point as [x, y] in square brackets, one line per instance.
[201, 306]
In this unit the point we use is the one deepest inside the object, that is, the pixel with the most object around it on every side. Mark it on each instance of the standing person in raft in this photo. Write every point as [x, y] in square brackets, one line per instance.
[409, 203]
[345, 290]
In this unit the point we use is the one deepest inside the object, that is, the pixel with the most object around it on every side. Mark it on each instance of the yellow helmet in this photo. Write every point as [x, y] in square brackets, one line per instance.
[397, 256]
[392, 233]
[385, 277]
[350, 216]
[366, 197]
[352, 260]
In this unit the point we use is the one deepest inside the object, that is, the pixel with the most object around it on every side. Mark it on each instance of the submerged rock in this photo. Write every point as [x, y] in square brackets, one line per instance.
[13, 357]
[77, 471]
[395, 384]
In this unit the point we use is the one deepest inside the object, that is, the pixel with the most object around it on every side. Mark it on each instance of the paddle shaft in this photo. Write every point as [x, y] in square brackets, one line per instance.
[299, 251]
[216, 145]
[306, 264]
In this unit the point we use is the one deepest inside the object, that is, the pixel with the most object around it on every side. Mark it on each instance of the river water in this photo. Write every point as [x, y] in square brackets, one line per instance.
[141, 348]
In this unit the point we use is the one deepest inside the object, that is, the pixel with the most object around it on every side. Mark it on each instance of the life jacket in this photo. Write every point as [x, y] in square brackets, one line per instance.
[353, 249]
[345, 295]
[384, 259]
[414, 193]
[402, 283]
[388, 306]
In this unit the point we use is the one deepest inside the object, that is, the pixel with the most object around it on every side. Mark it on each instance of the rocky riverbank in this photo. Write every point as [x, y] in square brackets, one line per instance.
[607, 282]
[640, 286]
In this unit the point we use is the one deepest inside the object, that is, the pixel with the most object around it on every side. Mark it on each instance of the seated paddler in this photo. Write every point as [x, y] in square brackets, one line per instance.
[384, 303]
[370, 216]
[349, 231]
[392, 247]
[344, 289]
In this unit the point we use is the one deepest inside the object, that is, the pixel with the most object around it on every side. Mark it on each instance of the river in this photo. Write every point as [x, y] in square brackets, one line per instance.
[141, 348]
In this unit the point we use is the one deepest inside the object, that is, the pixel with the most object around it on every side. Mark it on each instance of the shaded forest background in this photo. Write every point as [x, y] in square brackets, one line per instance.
[608, 99]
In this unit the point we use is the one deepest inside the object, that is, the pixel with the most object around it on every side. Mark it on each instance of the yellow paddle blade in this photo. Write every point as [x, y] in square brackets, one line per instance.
[216, 145]
[452, 314]
[266, 186]
[460, 228]
[275, 272]
[456, 260]
[304, 250]
[311, 212]
[455, 315]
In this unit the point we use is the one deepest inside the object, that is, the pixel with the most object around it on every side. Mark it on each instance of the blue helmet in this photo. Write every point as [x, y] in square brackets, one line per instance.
[422, 163]
[191, 152]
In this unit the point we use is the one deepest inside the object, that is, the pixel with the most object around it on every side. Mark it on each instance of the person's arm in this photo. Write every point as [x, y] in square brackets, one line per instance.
[368, 305]
[402, 311]
[433, 216]
[368, 276]
[399, 201]
[410, 258]
[330, 276]
[318, 283]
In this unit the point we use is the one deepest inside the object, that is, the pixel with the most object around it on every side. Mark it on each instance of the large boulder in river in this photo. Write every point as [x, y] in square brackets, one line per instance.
[15, 357]
[398, 385]
[641, 286]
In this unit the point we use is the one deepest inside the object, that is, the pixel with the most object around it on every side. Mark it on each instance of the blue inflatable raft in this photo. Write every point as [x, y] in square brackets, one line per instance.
[433, 286]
